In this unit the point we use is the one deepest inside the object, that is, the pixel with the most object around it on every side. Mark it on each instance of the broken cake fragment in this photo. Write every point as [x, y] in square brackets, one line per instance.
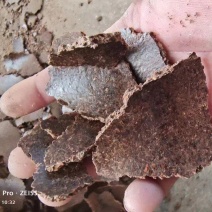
[156, 116]
[93, 50]
[73, 144]
[57, 186]
[54, 186]
[144, 54]
[165, 131]
[67, 39]
[94, 89]
[91, 91]
[55, 127]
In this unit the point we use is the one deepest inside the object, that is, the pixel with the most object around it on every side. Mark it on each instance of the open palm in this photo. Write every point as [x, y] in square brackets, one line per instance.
[182, 27]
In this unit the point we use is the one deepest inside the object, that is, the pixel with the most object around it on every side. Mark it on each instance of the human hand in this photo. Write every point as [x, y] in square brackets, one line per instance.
[182, 27]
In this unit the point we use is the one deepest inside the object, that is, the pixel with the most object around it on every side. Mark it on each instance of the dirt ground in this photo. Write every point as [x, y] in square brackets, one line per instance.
[27, 29]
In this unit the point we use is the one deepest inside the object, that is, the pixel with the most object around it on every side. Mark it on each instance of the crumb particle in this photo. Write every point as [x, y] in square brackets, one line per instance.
[196, 14]
[99, 18]
[182, 24]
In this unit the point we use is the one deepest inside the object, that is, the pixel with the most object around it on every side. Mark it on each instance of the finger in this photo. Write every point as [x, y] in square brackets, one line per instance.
[20, 165]
[27, 96]
[53, 204]
[146, 195]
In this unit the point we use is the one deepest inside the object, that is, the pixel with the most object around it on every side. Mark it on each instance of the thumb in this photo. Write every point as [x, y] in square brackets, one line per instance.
[146, 195]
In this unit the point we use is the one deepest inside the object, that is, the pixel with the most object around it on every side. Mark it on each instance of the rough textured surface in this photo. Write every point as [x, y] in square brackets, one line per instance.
[195, 195]
[165, 131]
[54, 186]
[144, 54]
[91, 91]
[35, 144]
[190, 195]
[73, 144]
[55, 127]
[59, 185]
[94, 50]
[58, 17]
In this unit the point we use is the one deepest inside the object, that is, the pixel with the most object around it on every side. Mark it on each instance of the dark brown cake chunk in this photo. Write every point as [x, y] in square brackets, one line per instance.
[165, 131]
[35, 143]
[92, 91]
[134, 115]
[59, 185]
[54, 186]
[73, 144]
[55, 127]
[102, 50]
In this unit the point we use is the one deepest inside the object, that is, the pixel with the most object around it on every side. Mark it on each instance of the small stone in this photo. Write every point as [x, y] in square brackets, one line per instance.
[55, 109]
[99, 18]
[66, 109]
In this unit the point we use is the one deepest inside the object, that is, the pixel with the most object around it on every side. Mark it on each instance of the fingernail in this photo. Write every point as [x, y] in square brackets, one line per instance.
[143, 196]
